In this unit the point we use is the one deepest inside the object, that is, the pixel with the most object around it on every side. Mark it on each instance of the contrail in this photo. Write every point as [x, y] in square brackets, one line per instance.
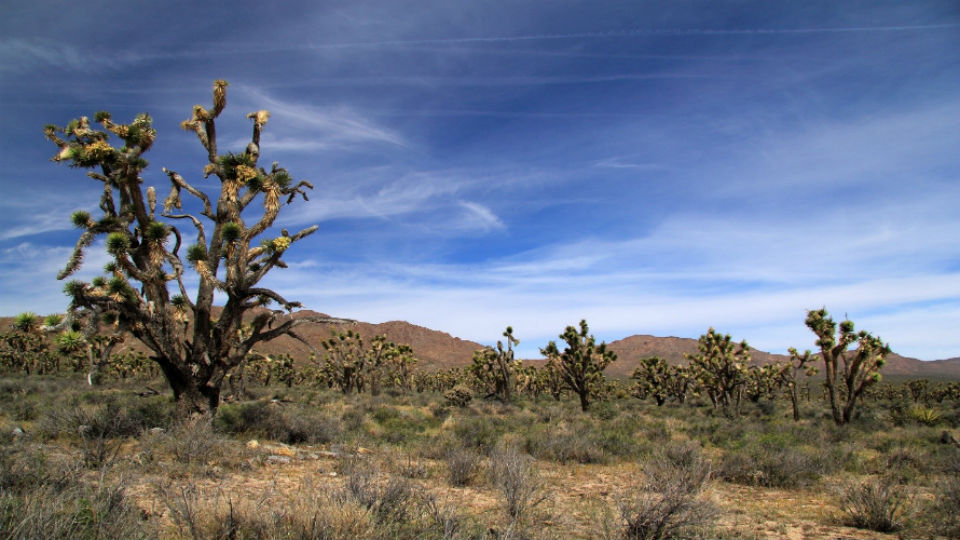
[642, 32]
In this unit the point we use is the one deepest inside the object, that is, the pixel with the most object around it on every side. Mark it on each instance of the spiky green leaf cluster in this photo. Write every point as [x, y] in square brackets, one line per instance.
[74, 288]
[230, 232]
[156, 231]
[80, 219]
[26, 321]
[196, 253]
[117, 243]
[282, 178]
[70, 342]
[255, 183]
[230, 161]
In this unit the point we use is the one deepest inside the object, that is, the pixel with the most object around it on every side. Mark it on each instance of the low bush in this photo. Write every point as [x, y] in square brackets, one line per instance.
[876, 504]
[564, 444]
[288, 423]
[463, 465]
[191, 441]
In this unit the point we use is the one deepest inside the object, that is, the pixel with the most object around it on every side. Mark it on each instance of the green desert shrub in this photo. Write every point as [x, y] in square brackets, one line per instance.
[943, 514]
[927, 416]
[564, 444]
[287, 423]
[480, 433]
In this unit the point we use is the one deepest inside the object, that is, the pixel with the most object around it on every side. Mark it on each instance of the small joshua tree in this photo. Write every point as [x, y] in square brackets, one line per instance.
[763, 381]
[789, 376]
[720, 367]
[580, 366]
[679, 382]
[397, 368]
[194, 345]
[23, 348]
[653, 379]
[850, 372]
[494, 368]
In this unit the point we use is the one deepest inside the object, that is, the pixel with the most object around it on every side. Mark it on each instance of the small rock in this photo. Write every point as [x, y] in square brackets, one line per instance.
[253, 444]
[947, 438]
[283, 460]
[156, 430]
[17, 431]
[283, 450]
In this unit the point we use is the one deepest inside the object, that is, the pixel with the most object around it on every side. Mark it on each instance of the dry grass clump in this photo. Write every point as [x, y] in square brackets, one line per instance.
[309, 514]
[45, 498]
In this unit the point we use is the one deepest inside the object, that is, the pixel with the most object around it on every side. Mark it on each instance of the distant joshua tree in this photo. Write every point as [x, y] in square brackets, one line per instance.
[848, 373]
[580, 366]
[720, 367]
[194, 347]
[495, 368]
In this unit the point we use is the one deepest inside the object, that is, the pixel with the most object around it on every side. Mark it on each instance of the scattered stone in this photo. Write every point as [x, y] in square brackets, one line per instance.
[17, 431]
[156, 430]
[282, 460]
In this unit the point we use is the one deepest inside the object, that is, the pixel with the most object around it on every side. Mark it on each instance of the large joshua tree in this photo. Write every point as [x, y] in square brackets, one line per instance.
[194, 345]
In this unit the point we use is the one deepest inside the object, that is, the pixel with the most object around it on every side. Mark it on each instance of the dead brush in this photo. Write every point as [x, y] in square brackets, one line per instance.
[667, 502]
[513, 473]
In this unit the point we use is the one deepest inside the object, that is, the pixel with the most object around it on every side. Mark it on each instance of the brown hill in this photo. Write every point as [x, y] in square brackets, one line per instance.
[672, 349]
[435, 349]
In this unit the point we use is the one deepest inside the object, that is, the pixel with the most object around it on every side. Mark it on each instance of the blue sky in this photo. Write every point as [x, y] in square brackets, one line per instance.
[653, 167]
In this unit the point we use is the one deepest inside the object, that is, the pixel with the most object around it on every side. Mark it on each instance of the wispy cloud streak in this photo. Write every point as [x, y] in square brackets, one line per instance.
[645, 32]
